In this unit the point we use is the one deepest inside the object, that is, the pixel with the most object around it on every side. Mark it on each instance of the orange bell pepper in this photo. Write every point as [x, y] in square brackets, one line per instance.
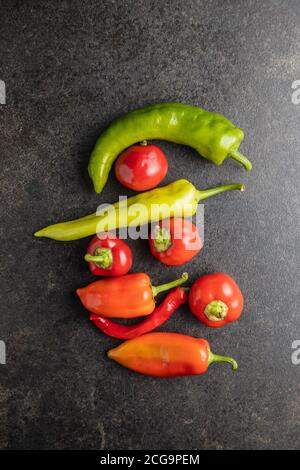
[167, 355]
[127, 296]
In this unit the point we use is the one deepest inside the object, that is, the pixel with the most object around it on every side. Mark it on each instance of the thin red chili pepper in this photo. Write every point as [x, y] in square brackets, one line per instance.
[160, 315]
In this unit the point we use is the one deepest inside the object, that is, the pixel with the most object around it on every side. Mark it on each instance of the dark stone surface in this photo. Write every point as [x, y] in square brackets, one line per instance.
[71, 67]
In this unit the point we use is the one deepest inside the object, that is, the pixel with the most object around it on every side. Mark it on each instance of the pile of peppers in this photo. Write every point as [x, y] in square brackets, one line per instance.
[214, 299]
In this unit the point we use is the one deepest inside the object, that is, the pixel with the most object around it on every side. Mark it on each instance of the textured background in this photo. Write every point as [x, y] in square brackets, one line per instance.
[70, 68]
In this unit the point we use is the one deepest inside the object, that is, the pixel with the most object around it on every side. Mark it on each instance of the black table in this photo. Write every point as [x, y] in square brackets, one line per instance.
[70, 68]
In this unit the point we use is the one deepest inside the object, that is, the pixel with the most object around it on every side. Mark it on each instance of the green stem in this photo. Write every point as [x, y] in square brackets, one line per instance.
[216, 310]
[215, 358]
[102, 257]
[239, 157]
[206, 193]
[169, 285]
[162, 239]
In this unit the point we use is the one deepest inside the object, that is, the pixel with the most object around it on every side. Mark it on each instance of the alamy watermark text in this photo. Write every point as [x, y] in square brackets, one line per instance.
[2, 353]
[2, 92]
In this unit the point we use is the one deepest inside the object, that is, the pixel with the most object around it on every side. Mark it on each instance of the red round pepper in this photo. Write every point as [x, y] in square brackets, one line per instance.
[167, 355]
[175, 241]
[141, 167]
[160, 315]
[216, 299]
[107, 255]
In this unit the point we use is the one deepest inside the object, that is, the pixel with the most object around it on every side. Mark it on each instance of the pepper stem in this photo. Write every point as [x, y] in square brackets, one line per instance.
[206, 193]
[102, 257]
[239, 157]
[169, 285]
[215, 358]
[162, 240]
[216, 310]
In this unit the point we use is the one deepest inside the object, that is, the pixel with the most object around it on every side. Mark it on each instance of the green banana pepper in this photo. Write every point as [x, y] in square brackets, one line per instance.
[210, 134]
[176, 199]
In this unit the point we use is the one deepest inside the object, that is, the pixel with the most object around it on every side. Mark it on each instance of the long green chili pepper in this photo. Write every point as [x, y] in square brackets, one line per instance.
[177, 199]
[210, 134]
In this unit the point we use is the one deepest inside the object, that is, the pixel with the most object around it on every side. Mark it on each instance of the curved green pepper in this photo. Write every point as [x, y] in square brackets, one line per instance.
[210, 134]
[177, 199]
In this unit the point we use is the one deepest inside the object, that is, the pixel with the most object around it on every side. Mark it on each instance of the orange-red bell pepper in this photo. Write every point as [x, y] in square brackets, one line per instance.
[167, 355]
[124, 297]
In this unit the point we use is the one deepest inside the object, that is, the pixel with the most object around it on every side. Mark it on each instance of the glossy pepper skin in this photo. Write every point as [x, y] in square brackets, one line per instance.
[210, 134]
[141, 167]
[128, 296]
[176, 199]
[216, 299]
[160, 315]
[108, 255]
[166, 355]
[175, 241]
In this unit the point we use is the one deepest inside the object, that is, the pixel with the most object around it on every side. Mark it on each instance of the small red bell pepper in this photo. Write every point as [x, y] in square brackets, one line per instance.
[141, 167]
[216, 299]
[175, 241]
[160, 315]
[108, 255]
[124, 297]
[167, 355]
